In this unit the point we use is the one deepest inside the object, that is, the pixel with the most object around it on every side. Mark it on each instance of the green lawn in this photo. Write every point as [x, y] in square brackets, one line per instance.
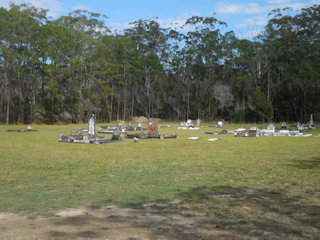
[240, 179]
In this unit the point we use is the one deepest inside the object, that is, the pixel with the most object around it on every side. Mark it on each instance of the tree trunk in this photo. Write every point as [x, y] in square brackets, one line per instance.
[118, 107]
[8, 108]
[124, 104]
[268, 86]
[20, 114]
[111, 103]
[8, 98]
[188, 99]
[132, 103]
[243, 102]
[33, 101]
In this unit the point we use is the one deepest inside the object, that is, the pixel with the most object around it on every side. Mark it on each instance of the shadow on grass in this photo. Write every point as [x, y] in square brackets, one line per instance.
[313, 163]
[211, 213]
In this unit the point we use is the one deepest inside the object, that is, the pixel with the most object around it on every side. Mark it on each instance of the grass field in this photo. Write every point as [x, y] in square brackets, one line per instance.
[269, 184]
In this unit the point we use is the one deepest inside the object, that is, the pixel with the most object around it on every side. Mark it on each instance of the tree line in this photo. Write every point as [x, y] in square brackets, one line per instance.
[70, 67]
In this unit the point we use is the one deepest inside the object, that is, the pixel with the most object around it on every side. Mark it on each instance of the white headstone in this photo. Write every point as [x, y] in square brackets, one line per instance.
[220, 124]
[271, 127]
[92, 125]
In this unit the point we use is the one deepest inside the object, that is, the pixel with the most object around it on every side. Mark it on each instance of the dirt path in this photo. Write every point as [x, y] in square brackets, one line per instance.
[111, 223]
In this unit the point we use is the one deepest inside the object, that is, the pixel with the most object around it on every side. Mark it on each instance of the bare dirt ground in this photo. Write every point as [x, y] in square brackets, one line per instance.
[112, 223]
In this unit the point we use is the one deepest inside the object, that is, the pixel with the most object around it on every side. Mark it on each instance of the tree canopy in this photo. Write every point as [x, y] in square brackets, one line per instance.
[75, 65]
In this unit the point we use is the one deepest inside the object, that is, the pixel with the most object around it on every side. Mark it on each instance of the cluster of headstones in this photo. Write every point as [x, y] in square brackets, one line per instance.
[91, 136]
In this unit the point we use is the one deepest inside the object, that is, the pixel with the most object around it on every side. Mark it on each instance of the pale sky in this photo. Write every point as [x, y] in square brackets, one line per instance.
[245, 18]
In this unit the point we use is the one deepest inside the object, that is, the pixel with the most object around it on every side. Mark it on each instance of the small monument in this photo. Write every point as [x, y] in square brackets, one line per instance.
[220, 124]
[92, 125]
[190, 123]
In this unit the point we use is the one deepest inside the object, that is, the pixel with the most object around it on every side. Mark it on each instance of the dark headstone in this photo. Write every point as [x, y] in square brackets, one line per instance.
[116, 135]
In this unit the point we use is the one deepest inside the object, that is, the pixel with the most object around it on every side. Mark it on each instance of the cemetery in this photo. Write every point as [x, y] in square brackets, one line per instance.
[122, 126]
[227, 180]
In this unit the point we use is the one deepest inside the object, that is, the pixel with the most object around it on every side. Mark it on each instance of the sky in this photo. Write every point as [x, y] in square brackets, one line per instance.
[246, 18]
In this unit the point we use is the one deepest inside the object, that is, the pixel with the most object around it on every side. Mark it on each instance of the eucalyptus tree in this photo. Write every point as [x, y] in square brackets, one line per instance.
[204, 49]
[151, 42]
[293, 66]
[85, 29]
[19, 27]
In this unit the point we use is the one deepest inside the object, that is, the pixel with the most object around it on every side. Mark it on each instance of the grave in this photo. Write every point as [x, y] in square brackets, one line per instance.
[141, 128]
[269, 131]
[116, 136]
[223, 131]
[130, 127]
[153, 130]
[247, 132]
[29, 129]
[188, 125]
[214, 139]
[89, 136]
[284, 125]
[92, 125]
[152, 134]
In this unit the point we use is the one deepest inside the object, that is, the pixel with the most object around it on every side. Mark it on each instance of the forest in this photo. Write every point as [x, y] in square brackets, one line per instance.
[65, 69]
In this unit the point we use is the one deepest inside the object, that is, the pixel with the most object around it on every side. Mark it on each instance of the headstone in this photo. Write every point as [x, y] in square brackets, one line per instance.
[139, 125]
[271, 127]
[130, 127]
[189, 123]
[220, 124]
[92, 125]
[284, 125]
[29, 128]
[253, 128]
[224, 130]
[153, 129]
[198, 122]
[311, 121]
[116, 135]
[121, 125]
